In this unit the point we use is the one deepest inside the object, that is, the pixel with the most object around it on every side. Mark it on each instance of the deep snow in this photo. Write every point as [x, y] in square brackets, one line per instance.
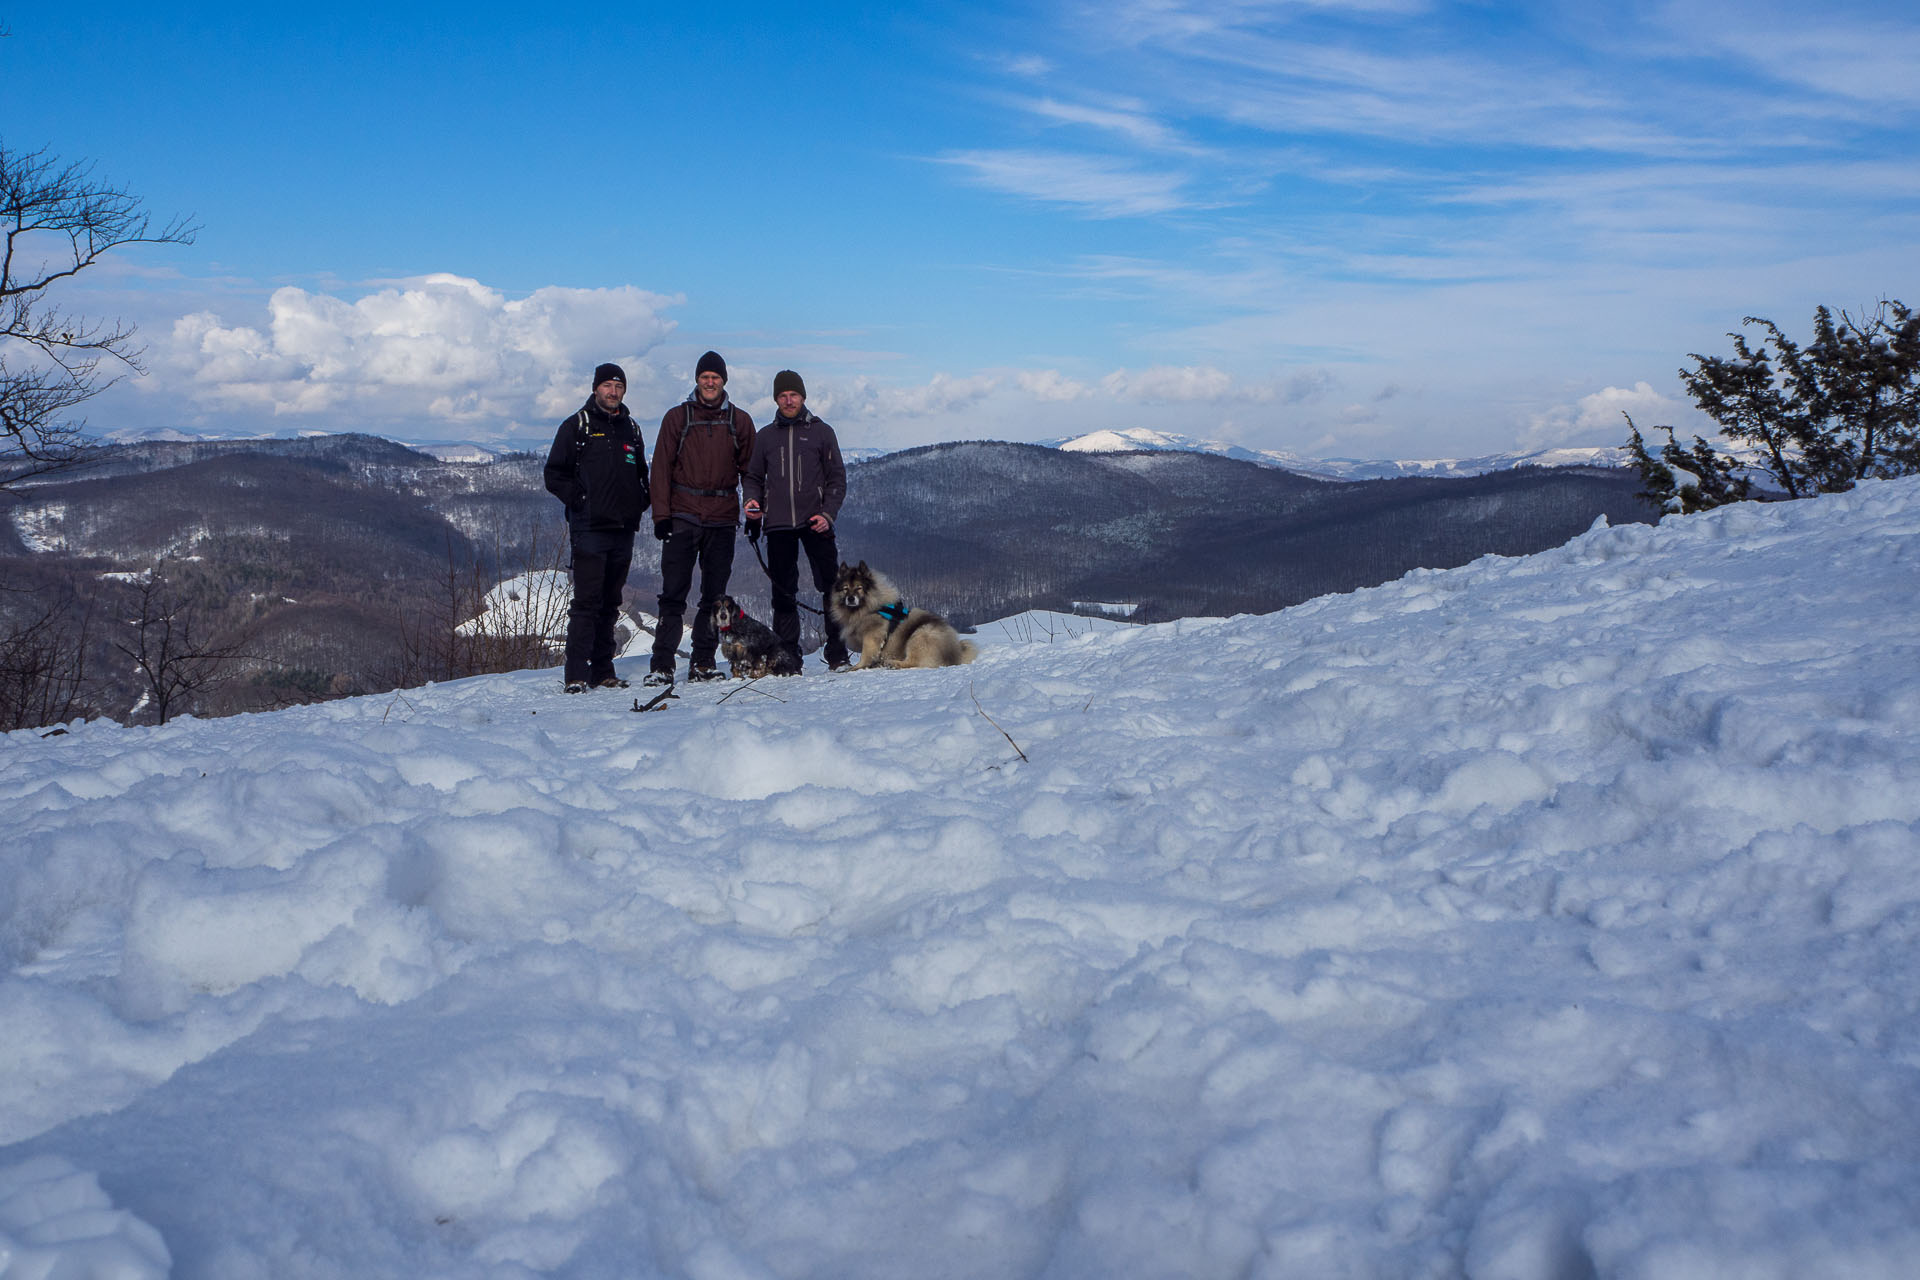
[1550, 917]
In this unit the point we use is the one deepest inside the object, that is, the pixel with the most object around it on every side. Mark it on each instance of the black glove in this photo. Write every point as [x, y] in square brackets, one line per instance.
[753, 530]
[661, 528]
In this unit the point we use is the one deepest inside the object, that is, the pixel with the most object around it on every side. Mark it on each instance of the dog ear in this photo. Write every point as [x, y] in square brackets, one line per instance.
[863, 567]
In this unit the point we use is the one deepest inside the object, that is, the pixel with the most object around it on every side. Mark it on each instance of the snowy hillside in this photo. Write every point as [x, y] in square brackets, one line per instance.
[1550, 917]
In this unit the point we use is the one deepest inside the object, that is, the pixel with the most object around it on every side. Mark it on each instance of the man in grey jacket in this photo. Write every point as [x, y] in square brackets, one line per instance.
[794, 485]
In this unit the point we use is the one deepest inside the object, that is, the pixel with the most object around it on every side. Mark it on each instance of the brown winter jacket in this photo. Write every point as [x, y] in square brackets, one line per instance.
[698, 478]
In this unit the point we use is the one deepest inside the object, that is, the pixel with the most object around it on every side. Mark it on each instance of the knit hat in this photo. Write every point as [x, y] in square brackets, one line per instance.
[609, 371]
[788, 380]
[711, 363]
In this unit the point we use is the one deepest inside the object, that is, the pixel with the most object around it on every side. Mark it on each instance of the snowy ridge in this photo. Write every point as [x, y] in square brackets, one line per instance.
[1544, 917]
[1127, 440]
[1143, 439]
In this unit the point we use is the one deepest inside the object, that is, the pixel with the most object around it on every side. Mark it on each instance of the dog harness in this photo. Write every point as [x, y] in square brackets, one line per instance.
[895, 614]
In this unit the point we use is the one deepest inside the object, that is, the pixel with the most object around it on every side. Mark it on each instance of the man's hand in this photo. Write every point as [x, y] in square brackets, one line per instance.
[661, 528]
[820, 523]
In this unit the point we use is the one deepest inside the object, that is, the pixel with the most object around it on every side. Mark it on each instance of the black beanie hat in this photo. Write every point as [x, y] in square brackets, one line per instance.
[711, 363]
[788, 380]
[607, 371]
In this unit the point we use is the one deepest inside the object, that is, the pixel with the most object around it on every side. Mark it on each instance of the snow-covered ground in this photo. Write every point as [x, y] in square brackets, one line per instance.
[1551, 917]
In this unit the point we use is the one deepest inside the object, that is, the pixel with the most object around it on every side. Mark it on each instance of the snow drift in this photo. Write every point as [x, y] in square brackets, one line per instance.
[1551, 917]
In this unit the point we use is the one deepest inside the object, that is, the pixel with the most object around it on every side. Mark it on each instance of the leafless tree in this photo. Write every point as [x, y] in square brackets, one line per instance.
[57, 220]
[451, 634]
[172, 649]
[43, 666]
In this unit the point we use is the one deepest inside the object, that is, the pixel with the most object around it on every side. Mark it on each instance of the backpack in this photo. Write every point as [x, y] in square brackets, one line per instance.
[686, 425]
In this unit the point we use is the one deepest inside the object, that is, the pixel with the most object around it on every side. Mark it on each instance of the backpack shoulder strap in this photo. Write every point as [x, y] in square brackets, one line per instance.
[733, 425]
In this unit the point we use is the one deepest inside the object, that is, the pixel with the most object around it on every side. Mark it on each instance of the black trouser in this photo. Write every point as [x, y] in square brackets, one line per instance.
[688, 545]
[600, 564]
[783, 568]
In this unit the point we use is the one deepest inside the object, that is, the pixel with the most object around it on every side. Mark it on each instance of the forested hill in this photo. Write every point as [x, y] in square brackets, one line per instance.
[345, 563]
[983, 528]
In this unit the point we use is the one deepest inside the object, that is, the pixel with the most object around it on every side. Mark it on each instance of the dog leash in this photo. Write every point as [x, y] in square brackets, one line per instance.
[755, 544]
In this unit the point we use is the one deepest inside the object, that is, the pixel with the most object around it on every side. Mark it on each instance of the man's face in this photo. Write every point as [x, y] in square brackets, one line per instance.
[790, 402]
[609, 394]
[709, 385]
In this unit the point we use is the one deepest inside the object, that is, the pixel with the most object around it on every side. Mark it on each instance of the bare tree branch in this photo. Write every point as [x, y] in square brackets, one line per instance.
[171, 650]
[56, 220]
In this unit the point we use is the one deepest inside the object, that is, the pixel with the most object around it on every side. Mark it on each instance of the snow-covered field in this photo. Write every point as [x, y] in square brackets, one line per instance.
[1555, 917]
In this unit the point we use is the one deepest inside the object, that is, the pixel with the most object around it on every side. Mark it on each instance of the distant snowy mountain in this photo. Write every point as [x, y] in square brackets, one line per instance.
[461, 452]
[1140, 439]
[1363, 469]
[165, 435]
[1129, 440]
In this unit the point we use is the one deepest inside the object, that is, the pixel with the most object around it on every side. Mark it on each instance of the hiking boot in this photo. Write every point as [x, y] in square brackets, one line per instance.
[609, 682]
[576, 686]
[658, 680]
[700, 675]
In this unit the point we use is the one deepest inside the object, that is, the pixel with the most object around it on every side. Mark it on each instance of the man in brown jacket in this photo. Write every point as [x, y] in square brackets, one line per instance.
[703, 446]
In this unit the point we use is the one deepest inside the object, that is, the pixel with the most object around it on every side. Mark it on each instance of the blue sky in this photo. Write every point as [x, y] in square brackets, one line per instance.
[1376, 229]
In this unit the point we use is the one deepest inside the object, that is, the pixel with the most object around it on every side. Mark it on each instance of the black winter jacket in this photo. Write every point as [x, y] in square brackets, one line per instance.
[598, 468]
[796, 471]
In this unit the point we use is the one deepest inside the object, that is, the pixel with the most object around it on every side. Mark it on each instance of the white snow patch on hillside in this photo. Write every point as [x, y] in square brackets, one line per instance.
[42, 527]
[527, 604]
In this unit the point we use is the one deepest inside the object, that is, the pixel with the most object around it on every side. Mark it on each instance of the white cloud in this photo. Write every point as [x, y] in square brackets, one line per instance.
[1169, 383]
[1596, 418]
[1102, 187]
[863, 399]
[1848, 53]
[1031, 65]
[439, 347]
[1128, 120]
[1050, 385]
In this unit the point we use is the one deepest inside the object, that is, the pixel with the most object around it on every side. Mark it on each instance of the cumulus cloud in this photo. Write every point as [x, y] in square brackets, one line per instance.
[439, 347]
[1205, 384]
[864, 399]
[1050, 385]
[1170, 384]
[1596, 417]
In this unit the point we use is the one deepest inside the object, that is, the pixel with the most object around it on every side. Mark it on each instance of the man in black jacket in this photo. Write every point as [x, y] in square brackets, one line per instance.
[598, 468]
[794, 484]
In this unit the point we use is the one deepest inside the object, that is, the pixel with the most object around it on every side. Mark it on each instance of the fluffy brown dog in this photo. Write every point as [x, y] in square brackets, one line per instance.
[750, 647]
[886, 633]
